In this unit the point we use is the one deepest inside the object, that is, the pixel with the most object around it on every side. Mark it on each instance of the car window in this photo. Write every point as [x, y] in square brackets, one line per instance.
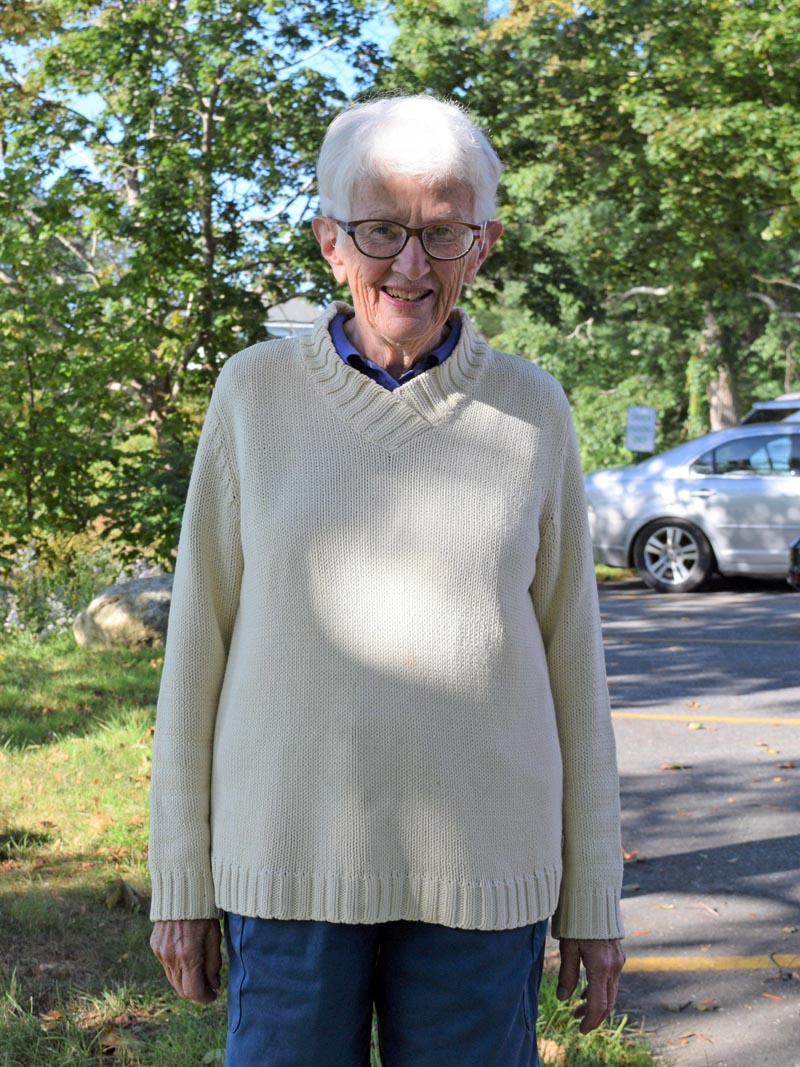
[773, 456]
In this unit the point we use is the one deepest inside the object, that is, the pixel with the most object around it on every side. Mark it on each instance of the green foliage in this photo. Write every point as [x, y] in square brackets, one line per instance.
[46, 582]
[651, 185]
[156, 163]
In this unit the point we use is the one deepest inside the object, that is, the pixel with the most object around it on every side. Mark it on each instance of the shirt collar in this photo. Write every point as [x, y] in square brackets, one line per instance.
[354, 358]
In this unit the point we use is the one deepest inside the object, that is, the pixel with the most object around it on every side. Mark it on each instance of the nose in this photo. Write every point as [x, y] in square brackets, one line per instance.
[412, 261]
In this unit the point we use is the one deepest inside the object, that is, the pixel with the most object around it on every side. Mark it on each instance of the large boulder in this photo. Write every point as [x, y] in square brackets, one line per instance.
[130, 613]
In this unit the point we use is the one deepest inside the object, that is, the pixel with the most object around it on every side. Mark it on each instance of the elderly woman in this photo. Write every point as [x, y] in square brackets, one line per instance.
[383, 751]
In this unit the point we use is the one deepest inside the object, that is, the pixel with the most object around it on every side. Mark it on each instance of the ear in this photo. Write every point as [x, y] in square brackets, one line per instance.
[482, 250]
[328, 234]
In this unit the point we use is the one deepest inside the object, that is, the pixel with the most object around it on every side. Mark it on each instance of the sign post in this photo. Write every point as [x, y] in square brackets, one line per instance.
[640, 431]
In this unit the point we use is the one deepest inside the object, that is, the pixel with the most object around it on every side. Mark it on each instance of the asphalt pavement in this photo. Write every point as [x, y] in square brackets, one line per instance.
[705, 694]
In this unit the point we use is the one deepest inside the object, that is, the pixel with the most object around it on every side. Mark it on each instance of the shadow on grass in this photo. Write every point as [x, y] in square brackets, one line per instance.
[17, 841]
[79, 986]
[53, 689]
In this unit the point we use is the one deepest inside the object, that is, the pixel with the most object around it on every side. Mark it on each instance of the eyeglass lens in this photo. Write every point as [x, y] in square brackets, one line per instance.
[442, 240]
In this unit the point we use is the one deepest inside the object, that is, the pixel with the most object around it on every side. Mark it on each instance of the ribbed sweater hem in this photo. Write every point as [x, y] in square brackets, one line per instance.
[184, 894]
[487, 905]
[592, 913]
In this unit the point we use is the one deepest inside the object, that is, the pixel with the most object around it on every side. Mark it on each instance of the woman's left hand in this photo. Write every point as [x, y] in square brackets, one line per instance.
[603, 962]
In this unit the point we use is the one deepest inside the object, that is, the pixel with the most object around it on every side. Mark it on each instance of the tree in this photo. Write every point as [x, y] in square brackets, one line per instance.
[156, 178]
[651, 185]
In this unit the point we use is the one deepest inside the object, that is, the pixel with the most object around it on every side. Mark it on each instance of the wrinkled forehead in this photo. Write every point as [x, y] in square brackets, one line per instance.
[408, 198]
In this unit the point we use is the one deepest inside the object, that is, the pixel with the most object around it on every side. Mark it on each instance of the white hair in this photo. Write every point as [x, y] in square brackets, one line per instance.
[418, 136]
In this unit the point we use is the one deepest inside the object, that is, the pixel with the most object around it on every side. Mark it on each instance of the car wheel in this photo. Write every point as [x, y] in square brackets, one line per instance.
[672, 556]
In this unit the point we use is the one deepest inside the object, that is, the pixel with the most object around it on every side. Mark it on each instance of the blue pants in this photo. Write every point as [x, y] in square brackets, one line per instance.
[301, 994]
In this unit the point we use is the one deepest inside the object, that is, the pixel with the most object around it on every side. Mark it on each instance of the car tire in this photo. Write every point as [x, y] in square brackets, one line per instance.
[672, 556]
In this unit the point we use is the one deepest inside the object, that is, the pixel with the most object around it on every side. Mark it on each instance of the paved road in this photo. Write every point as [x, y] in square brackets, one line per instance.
[706, 696]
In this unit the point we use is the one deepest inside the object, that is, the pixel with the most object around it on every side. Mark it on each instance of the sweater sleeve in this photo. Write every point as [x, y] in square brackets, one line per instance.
[204, 604]
[565, 599]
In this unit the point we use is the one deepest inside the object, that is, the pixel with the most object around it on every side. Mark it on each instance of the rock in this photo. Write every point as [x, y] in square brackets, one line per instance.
[131, 614]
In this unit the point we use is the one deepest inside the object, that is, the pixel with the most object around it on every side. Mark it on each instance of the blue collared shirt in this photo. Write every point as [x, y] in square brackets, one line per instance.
[378, 374]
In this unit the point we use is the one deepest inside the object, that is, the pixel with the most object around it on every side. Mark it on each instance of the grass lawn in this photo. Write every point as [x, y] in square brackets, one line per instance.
[78, 984]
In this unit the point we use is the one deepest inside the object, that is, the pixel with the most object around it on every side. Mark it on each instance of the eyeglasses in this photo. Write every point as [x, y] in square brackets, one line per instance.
[380, 239]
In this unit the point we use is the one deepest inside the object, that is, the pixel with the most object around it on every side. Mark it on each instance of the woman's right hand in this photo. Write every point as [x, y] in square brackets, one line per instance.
[189, 952]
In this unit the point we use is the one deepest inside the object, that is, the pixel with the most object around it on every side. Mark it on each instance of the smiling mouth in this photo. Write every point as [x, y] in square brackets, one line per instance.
[411, 296]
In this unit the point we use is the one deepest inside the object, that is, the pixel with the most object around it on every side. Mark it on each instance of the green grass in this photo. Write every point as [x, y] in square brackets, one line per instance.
[604, 573]
[79, 986]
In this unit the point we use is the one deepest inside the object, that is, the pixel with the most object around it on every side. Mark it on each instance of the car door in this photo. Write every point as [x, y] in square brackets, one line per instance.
[746, 493]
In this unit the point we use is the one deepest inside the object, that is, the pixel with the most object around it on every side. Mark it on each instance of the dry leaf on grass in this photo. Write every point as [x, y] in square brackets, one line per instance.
[121, 894]
[552, 1053]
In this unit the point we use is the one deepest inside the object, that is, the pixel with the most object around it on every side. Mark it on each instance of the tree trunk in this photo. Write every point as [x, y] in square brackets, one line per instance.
[791, 365]
[723, 409]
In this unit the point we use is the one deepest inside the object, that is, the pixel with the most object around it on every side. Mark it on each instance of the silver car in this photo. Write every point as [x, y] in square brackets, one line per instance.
[728, 502]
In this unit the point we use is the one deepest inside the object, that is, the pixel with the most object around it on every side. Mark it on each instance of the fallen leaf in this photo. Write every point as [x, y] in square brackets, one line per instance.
[773, 752]
[772, 996]
[705, 948]
[787, 765]
[549, 1052]
[709, 1004]
[694, 704]
[779, 778]
[695, 726]
[641, 933]
[665, 907]
[629, 856]
[110, 1040]
[674, 766]
[709, 909]
[99, 821]
[790, 929]
[676, 1006]
[121, 894]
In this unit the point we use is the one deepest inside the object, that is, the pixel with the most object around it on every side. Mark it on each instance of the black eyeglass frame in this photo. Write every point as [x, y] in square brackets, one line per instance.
[478, 232]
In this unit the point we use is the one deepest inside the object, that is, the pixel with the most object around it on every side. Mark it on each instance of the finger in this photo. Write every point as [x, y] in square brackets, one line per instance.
[213, 958]
[594, 1009]
[611, 991]
[192, 984]
[569, 971]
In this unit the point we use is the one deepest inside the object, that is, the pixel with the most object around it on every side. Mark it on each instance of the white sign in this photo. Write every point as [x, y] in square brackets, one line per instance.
[640, 429]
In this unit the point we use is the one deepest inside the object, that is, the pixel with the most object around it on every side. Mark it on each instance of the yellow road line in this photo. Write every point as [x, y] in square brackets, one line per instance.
[700, 717]
[711, 963]
[695, 640]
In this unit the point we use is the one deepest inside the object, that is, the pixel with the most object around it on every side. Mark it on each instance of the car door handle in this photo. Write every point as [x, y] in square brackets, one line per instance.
[704, 493]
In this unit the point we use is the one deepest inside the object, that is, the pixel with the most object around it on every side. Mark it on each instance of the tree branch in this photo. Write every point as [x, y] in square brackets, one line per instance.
[638, 290]
[776, 281]
[582, 326]
[774, 306]
[309, 55]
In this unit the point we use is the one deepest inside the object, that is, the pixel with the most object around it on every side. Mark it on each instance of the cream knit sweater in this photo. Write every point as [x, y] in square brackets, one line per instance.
[383, 692]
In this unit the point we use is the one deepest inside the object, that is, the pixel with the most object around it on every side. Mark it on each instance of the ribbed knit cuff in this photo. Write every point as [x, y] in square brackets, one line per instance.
[182, 895]
[593, 913]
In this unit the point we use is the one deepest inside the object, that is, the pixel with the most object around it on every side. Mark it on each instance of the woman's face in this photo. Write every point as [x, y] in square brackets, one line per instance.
[403, 303]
